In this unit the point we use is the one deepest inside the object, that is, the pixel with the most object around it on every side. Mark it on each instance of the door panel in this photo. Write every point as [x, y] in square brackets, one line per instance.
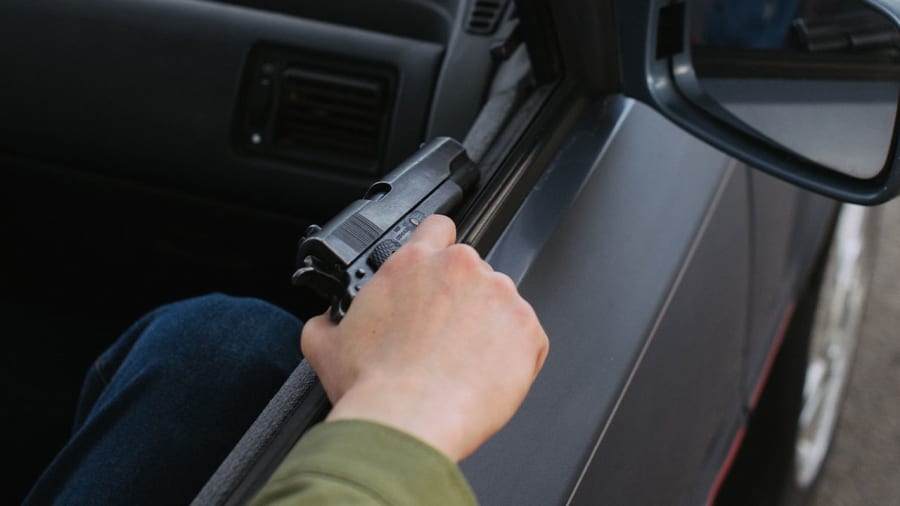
[789, 227]
[599, 278]
[676, 421]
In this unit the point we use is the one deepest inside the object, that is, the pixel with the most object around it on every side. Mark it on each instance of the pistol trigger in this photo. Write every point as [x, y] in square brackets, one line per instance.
[339, 308]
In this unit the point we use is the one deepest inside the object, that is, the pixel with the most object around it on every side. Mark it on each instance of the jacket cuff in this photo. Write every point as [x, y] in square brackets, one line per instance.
[392, 465]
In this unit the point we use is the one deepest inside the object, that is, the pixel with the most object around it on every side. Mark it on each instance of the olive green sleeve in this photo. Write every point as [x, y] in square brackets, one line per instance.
[355, 462]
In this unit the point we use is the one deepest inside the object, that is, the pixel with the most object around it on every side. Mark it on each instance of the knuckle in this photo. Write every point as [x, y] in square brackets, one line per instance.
[409, 253]
[415, 251]
[525, 315]
[463, 256]
[521, 312]
[501, 284]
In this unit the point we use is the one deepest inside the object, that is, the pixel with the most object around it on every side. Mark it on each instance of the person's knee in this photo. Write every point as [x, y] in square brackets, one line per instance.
[230, 333]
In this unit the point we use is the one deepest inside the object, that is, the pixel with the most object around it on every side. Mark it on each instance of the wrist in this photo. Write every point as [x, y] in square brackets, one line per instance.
[406, 406]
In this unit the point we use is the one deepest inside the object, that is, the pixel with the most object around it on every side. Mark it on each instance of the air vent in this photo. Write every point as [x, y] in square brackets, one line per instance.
[484, 16]
[332, 118]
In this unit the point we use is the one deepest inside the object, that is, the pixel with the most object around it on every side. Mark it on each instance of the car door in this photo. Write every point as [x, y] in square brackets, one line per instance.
[643, 289]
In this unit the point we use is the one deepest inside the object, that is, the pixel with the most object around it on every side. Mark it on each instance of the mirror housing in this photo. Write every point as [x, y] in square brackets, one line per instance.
[657, 69]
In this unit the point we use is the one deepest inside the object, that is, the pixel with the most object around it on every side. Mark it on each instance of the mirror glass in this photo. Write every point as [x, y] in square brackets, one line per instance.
[819, 77]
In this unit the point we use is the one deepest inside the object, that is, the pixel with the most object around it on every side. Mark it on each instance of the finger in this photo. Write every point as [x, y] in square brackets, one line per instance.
[315, 334]
[437, 231]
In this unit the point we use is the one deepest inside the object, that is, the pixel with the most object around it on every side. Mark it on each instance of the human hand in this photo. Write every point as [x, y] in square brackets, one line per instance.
[436, 344]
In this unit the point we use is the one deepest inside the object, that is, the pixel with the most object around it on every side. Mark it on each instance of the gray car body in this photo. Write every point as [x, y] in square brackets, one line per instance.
[662, 271]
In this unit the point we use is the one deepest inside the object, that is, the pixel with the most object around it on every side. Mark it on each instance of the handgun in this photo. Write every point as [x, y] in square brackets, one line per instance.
[337, 259]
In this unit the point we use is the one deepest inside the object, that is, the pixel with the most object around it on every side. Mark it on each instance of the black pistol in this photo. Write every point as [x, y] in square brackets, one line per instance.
[336, 260]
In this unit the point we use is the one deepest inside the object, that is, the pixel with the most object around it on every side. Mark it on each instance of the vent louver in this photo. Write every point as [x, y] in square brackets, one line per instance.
[333, 118]
[484, 16]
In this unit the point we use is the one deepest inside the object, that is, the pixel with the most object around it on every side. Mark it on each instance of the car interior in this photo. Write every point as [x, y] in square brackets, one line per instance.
[162, 149]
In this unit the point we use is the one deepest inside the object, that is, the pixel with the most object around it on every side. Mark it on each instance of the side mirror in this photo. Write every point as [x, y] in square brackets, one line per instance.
[806, 90]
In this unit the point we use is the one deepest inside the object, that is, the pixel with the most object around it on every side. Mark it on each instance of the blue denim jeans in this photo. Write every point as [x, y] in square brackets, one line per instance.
[163, 406]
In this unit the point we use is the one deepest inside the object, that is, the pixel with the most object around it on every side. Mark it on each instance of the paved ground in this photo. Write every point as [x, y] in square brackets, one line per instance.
[864, 465]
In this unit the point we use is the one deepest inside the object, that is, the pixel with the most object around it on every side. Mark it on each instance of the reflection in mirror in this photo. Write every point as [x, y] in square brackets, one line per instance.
[819, 77]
